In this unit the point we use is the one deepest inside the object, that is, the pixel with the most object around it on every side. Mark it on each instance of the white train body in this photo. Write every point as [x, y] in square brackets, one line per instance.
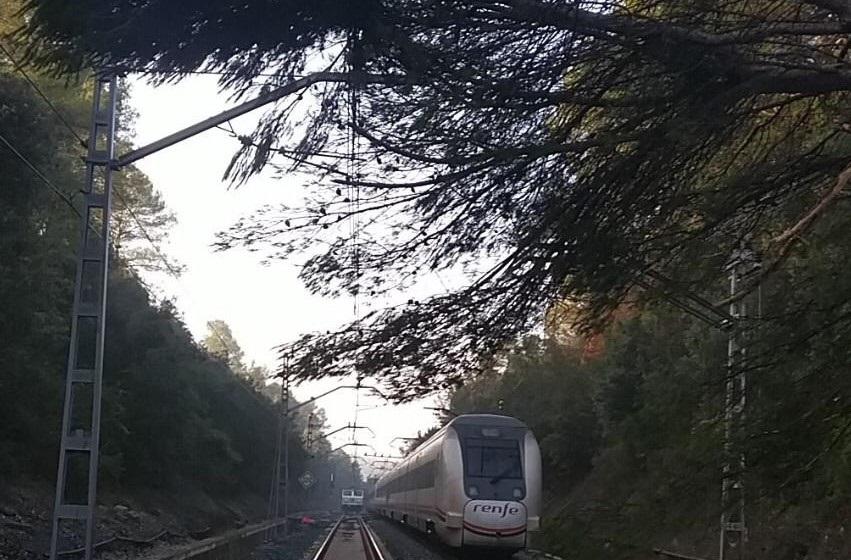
[351, 500]
[476, 483]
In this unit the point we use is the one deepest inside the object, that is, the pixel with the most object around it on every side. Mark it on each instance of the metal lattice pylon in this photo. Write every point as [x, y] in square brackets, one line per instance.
[76, 481]
[734, 532]
[281, 475]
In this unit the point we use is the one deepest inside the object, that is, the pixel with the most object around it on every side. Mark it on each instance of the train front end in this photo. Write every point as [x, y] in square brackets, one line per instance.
[501, 480]
[351, 500]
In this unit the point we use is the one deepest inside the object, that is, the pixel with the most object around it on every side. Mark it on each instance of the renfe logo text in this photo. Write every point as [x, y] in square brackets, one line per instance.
[503, 510]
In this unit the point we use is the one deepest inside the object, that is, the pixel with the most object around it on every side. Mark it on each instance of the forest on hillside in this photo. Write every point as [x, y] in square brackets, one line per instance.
[181, 416]
[632, 438]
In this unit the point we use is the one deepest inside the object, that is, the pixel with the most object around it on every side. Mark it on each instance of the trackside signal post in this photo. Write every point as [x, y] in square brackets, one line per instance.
[76, 480]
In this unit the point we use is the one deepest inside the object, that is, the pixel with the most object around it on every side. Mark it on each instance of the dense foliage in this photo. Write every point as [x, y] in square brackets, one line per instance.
[588, 150]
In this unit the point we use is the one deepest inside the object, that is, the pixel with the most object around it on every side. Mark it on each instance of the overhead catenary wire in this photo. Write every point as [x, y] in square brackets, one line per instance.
[66, 199]
[56, 190]
[176, 275]
[353, 171]
[160, 255]
[133, 215]
[132, 70]
[147, 236]
[20, 68]
[172, 271]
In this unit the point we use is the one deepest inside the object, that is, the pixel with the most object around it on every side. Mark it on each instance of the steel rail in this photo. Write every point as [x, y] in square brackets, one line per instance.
[371, 549]
[326, 544]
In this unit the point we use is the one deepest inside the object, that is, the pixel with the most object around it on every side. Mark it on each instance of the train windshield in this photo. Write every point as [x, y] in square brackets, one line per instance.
[496, 459]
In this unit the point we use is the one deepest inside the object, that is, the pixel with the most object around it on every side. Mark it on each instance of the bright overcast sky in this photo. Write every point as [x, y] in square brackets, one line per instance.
[265, 305]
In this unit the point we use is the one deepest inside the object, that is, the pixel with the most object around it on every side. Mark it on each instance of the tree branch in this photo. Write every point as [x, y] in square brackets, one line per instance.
[807, 220]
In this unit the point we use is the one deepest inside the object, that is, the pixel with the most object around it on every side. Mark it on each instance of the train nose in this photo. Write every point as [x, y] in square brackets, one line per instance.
[494, 523]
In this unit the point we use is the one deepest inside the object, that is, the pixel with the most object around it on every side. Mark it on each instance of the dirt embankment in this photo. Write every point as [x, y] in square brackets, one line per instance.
[163, 517]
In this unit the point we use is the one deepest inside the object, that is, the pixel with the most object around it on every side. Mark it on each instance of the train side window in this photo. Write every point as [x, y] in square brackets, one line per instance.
[428, 474]
[423, 476]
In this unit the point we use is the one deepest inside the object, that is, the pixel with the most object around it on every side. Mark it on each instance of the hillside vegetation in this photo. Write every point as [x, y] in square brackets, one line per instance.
[632, 444]
[180, 418]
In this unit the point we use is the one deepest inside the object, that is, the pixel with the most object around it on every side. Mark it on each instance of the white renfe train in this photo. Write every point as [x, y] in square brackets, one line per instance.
[475, 483]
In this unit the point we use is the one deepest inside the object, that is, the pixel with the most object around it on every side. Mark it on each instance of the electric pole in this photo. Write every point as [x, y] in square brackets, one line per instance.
[75, 502]
[733, 535]
[282, 466]
[76, 480]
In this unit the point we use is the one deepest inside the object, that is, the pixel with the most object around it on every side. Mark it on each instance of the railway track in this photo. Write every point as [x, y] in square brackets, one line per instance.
[350, 539]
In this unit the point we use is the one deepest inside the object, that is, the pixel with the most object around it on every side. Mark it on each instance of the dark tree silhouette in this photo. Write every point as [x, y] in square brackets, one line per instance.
[587, 150]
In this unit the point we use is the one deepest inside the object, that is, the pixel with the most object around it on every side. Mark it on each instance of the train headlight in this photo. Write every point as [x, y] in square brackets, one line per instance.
[518, 493]
[473, 491]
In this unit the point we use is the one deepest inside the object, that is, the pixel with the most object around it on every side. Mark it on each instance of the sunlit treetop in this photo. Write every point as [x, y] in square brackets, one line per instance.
[589, 151]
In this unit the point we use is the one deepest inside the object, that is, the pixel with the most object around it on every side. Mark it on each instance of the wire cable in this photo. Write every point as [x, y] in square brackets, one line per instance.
[83, 143]
[176, 275]
[173, 271]
[56, 190]
[41, 94]
[353, 169]
[157, 250]
[149, 71]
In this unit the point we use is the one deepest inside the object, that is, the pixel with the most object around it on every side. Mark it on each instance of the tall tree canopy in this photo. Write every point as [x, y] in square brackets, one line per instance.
[592, 150]
[221, 343]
